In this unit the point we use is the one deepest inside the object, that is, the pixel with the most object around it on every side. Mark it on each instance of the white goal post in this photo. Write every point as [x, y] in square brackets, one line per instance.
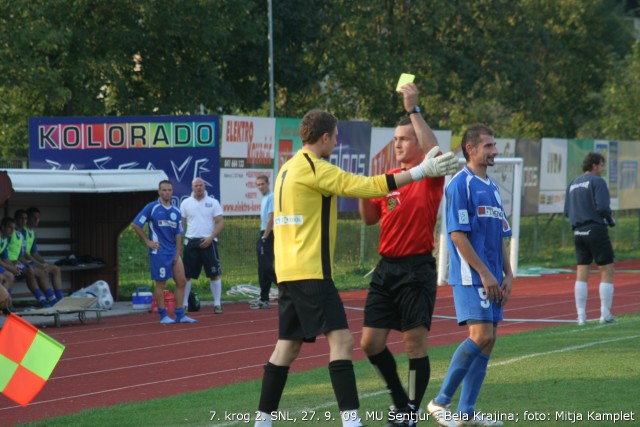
[443, 257]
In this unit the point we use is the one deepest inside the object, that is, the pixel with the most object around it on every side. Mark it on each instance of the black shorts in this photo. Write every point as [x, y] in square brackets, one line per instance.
[308, 308]
[195, 258]
[592, 243]
[402, 293]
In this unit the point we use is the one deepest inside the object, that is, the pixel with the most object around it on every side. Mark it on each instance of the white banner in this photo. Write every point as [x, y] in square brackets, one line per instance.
[502, 174]
[553, 175]
[247, 151]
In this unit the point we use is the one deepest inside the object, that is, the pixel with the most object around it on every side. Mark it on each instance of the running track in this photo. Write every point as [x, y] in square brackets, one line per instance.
[134, 358]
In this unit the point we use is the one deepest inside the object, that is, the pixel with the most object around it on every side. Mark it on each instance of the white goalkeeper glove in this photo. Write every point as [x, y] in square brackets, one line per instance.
[433, 166]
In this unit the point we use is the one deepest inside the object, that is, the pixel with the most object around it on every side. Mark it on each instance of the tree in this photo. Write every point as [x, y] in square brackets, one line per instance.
[530, 68]
[620, 101]
[92, 58]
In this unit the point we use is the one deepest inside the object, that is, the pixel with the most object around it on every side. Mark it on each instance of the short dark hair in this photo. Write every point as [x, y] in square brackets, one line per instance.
[404, 121]
[592, 159]
[32, 210]
[264, 178]
[315, 124]
[473, 136]
[19, 213]
[165, 181]
[6, 220]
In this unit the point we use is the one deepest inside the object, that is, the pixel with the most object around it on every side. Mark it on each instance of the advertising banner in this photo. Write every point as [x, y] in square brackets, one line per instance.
[502, 174]
[629, 185]
[351, 154]
[613, 168]
[553, 175]
[184, 147]
[288, 141]
[577, 149]
[247, 151]
[609, 149]
[529, 150]
[382, 152]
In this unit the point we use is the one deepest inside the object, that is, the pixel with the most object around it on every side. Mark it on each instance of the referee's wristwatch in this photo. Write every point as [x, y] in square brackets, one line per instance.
[414, 110]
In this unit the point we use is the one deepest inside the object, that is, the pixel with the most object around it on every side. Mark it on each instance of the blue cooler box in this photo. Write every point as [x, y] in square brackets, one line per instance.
[142, 298]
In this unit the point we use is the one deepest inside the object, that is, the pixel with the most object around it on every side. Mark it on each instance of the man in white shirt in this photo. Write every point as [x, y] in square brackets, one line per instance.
[202, 218]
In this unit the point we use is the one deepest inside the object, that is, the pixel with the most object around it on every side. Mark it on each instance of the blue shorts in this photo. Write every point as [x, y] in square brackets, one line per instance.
[472, 304]
[161, 266]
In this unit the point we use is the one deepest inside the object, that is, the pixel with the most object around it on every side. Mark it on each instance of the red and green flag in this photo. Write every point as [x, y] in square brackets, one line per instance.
[27, 358]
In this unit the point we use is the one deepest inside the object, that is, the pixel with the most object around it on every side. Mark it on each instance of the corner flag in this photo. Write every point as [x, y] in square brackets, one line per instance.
[27, 358]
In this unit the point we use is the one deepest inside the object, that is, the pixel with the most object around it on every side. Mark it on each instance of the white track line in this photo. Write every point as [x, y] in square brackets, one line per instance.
[332, 404]
[235, 369]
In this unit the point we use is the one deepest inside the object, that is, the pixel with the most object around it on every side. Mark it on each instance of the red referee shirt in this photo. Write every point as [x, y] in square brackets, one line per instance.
[408, 216]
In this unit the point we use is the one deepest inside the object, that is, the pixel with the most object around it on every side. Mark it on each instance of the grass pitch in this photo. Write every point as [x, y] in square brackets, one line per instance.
[559, 376]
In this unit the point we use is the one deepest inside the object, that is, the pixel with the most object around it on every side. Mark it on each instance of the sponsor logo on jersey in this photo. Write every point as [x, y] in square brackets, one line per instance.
[463, 216]
[494, 212]
[166, 223]
[490, 211]
[288, 220]
[581, 185]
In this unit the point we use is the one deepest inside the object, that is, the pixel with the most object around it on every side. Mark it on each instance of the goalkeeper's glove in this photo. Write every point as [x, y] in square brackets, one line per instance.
[433, 166]
[611, 221]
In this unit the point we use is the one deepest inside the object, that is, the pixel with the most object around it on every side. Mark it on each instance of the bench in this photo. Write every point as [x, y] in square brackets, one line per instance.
[69, 305]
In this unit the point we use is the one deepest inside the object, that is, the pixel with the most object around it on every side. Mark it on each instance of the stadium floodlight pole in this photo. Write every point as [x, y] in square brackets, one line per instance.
[271, 100]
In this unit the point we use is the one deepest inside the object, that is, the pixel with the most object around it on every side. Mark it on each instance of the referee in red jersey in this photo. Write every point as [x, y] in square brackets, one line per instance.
[402, 292]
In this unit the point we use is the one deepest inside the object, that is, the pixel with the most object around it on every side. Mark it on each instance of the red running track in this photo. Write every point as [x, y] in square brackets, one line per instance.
[134, 358]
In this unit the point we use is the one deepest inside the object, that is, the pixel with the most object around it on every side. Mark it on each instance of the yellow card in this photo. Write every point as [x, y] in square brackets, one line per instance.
[404, 79]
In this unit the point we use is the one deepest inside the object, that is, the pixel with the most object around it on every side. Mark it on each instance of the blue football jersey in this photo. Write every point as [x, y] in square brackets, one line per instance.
[164, 224]
[475, 207]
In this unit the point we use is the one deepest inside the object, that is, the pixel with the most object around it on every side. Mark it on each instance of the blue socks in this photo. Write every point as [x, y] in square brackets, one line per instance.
[462, 359]
[179, 313]
[58, 294]
[162, 312]
[472, 383]
[37, 294]
[49, 294]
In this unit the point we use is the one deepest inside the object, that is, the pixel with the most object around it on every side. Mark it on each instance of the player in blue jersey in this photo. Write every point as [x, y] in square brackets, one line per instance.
[165, 246]
[480, 273]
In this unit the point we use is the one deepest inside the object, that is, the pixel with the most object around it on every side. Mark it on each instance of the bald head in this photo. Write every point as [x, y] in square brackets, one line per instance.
[198, 187]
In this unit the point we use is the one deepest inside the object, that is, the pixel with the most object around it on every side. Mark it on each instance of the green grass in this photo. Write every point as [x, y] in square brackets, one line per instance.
[545, 241]
[539, 374]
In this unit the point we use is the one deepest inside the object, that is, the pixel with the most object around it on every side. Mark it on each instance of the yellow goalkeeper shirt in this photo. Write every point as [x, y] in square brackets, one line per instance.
[306, 213]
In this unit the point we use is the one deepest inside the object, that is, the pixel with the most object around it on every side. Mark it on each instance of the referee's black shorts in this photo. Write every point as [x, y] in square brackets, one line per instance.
[402, 293]
[592, 243]
[308, 308]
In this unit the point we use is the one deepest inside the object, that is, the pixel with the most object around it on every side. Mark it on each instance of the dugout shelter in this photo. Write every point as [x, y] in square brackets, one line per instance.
[83, 213]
